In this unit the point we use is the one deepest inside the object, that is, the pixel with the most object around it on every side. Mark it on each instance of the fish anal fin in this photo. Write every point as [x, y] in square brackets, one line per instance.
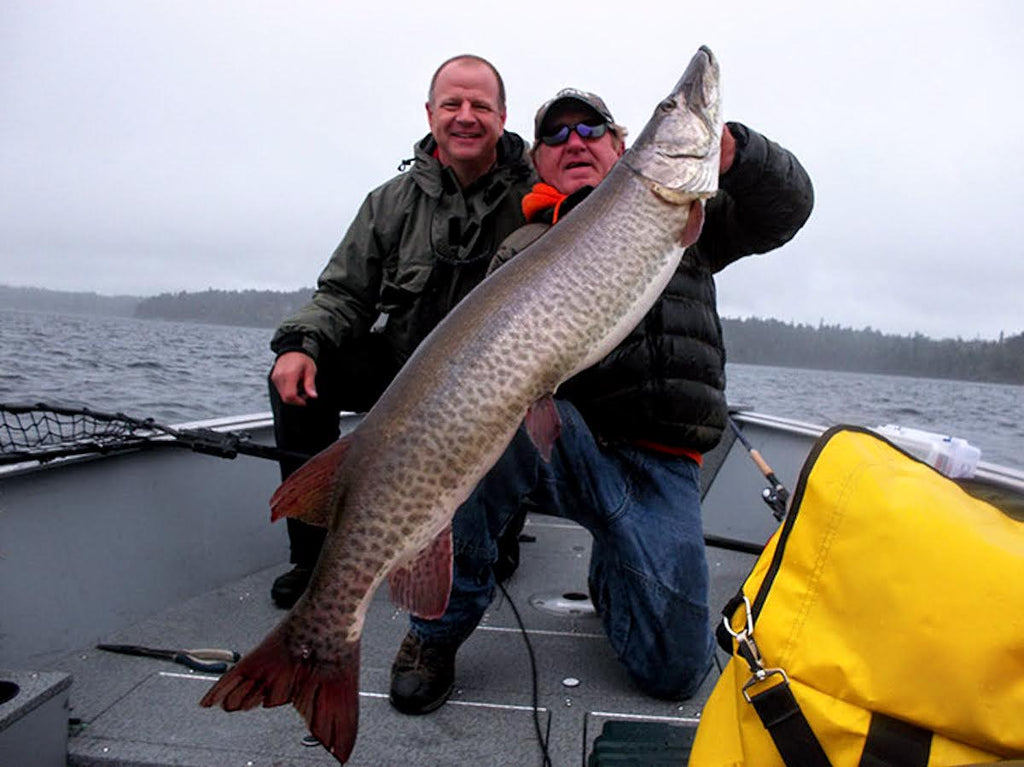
[308, 494]
[326, 694]
[543, 424]
[422, 585]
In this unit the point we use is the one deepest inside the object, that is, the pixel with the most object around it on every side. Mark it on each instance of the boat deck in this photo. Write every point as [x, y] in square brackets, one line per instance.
[130, 711]
[140, 711]
[172, 549]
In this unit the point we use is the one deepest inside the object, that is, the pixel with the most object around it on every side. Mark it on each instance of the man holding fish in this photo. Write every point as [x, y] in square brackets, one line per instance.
[419, 243]
[612, 309]
[634, 426]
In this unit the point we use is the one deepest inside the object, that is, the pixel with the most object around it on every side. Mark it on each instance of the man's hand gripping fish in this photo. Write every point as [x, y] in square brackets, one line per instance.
[388, 490]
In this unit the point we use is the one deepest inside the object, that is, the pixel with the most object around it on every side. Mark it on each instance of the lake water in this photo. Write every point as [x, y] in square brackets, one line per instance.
[175, 372]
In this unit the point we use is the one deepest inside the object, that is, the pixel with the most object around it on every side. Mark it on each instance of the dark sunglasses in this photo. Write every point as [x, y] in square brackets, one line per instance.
[584, 131]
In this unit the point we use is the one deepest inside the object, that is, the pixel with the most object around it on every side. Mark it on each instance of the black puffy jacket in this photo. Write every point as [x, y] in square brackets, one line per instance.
[665, 383]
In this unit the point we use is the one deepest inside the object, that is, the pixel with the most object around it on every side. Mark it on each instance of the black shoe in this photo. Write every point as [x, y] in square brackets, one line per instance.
[288, 588]
[422, 675]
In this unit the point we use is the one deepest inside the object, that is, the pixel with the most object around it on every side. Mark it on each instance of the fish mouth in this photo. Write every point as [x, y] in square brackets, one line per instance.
[679, 147]
[691, 155]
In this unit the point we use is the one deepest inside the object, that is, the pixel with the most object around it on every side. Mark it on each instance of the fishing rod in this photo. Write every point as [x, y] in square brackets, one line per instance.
[775, 495]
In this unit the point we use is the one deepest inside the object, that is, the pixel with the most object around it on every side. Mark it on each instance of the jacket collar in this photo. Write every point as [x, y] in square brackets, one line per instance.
[513, 164]
[547, 208]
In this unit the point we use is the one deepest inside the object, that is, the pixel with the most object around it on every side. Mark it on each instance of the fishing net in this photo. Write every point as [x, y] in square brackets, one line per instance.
[42, 432]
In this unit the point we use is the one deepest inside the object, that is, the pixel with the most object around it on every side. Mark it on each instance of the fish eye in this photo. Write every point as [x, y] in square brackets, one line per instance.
[668, 105]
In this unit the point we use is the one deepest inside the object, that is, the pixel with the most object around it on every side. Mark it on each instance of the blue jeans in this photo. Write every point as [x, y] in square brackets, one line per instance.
[648, 573]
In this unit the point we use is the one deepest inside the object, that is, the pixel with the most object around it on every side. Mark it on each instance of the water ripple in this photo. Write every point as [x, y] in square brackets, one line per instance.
[169, 371]
[989, 416]
[176, 372]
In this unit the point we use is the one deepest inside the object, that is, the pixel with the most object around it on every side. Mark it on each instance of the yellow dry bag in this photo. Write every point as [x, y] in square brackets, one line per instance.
[882, 626]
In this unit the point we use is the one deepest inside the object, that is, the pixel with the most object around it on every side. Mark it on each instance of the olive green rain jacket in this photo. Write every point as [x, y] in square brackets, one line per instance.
[417, 246]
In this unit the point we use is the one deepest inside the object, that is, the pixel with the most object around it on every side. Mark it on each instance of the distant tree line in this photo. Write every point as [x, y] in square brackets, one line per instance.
[750, 341]
[252, 308]
[831, 347]
[67, 302]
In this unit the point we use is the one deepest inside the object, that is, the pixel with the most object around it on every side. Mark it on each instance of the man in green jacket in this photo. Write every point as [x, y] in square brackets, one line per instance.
[634, 426]
[418, 244]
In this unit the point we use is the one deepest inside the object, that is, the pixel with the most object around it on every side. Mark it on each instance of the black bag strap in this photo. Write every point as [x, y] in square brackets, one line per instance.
[890, 742]
[894, 743]
[775, 705]
[781, 716]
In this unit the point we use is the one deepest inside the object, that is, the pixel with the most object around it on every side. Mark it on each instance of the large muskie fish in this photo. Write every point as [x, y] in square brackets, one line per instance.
[388, 490]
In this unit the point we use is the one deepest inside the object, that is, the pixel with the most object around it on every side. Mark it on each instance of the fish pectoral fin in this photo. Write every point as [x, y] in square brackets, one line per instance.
[422, 585]
[694, 224]
[543, 424]
[308, 494]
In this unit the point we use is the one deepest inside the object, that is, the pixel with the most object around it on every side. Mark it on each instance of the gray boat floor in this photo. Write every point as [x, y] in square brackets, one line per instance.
[140, 711]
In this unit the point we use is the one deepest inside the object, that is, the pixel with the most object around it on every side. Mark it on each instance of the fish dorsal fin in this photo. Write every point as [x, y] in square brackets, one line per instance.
[422, 584]
[543, 424]
[309, 493]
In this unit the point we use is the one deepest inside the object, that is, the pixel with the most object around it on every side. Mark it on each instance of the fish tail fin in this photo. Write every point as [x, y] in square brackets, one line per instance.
[309, 492]
[326, 694]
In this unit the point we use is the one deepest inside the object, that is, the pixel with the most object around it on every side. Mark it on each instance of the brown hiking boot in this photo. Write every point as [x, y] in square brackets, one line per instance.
[422, 675]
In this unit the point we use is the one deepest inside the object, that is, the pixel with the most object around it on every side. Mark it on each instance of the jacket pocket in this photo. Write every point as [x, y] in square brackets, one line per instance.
[402, 286]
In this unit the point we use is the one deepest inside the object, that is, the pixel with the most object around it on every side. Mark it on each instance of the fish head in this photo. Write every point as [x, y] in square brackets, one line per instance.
[678, 150]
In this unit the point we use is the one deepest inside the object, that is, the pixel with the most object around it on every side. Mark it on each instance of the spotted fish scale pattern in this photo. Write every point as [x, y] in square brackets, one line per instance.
[387, 491]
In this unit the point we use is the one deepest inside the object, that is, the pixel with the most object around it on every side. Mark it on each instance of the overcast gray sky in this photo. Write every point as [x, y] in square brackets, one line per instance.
[183, 145]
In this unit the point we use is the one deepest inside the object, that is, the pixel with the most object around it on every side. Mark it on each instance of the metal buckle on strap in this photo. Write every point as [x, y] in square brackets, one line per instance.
[761, 676]
[747, 649]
